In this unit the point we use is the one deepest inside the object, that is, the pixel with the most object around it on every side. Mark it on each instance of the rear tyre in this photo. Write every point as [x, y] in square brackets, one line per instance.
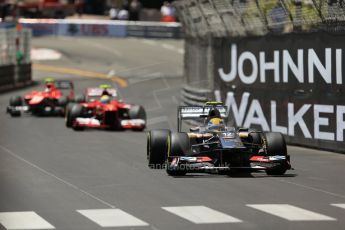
[157, 148]
[180, 146]
[62, 102]
[79, 98]
[276, 145]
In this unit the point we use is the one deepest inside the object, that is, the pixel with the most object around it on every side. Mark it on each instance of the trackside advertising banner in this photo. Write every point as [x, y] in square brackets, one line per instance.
[293, 84]
[102, 28]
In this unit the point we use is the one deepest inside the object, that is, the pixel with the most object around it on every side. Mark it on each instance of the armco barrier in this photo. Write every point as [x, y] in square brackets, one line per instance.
[24, 73]
[104, 28]
[7, 75]
[15, 76]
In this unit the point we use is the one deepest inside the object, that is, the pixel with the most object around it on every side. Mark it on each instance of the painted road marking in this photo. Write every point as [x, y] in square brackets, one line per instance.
[339, 205]
[168, 46]
[181, 51]
[42, 54]
[112, 218]
[81, 73]
[201, 215]
[23, 220]
[149, 42]
[290, 212]
[164, 45]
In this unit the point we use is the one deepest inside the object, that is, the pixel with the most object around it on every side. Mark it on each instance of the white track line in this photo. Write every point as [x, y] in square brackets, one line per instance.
[339, 205]
[23, 220]
[201, 215]
[313, 189]
[149, 42]
[290, 212]
[168, 47]
[112, 218]
[164, 45]
[56, 177]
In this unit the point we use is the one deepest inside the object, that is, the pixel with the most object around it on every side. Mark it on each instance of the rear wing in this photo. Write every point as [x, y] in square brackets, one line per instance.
[97, 92]
[197, 112]
[63, 84]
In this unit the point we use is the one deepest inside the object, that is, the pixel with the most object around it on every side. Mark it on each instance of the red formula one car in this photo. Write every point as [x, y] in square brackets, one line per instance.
[51, 101]
[103, 109]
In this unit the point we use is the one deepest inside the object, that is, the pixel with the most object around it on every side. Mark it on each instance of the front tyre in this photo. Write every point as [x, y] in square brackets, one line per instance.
[68, 120]
[73, 112]
[180, 146]
[79, 98]
[157, 148]
[276, 146]
[15, 101]
[137, 112]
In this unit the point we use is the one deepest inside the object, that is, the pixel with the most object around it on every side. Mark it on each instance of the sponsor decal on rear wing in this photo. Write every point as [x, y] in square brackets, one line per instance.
[64, 84]
[95, 92]
[194, 112]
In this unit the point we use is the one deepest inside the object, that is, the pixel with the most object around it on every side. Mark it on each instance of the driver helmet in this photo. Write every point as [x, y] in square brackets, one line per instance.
[105, 99]
[214, 113]
[48, 87]
[105, 93]
[216, 124]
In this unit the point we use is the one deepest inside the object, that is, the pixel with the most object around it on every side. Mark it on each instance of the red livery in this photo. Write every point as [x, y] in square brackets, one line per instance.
[51, 101]
[102, 109]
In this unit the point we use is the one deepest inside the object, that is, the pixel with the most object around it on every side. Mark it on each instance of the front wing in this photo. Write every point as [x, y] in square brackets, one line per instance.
[95, 123]
[204, 163]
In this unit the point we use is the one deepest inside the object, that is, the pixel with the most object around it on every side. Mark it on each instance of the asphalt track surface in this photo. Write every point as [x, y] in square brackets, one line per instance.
[54, 177]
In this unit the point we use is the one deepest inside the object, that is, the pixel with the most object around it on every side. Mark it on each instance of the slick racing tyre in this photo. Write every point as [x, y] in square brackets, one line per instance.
[62, 103]
[16, 101]
[73, 112]
[180, 146]
[253, 140]
[79, 98]
[157, 148]
[275, 145]
[137, 112]
[68, 109]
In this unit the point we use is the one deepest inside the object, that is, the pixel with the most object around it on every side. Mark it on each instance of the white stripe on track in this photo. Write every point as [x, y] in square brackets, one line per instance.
[290, 212]
[339, 205]
[23, 220]
[201, 215]
[112, 218]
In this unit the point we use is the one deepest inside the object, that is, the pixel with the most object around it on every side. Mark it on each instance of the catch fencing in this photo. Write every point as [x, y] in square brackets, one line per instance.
[277, 64]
